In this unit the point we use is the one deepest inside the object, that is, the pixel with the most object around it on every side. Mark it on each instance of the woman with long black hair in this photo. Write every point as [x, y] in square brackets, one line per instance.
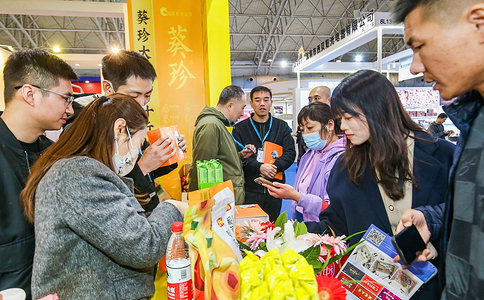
[391, 163]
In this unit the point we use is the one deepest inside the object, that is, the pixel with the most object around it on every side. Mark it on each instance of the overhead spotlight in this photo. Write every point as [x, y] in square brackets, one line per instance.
[77, 65]
[87, 81]
[338, 60]
[8, 47]
[269, 60]
[115, 49]
[56, 49]
[284, 63]
[358, 58]
[99, 65]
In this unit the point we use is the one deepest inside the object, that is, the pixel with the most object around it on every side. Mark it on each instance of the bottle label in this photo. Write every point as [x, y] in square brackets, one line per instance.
[179, 283]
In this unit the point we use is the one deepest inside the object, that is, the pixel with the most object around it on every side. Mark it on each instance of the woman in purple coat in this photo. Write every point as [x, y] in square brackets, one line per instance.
[320, 132]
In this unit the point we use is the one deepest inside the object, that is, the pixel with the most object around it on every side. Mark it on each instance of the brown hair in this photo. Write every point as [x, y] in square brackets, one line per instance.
[91, 134]
[372, 95]
[36, 67]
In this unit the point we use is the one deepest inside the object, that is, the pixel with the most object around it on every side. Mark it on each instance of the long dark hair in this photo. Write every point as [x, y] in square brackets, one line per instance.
[372, 95]
[91, 134]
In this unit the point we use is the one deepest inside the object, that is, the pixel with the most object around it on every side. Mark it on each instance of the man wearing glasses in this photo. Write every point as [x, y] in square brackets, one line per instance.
[38, 97]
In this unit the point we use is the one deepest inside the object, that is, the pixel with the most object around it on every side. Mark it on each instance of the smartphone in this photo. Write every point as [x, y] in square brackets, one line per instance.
[407, 243]
[261, 180]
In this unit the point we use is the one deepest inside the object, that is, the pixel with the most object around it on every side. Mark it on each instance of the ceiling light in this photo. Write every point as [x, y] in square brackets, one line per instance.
[115, 50]
[77, 65]
[87, 81]
[270, 60]
[338, 60]
[358, 58]
[99, 65]
[56, 49]
[284, 63]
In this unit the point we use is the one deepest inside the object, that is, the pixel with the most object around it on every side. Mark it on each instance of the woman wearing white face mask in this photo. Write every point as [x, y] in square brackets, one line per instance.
[320, 133]
[92, 238]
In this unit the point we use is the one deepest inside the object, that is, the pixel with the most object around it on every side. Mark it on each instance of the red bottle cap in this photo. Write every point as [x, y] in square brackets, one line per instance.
[177, 227]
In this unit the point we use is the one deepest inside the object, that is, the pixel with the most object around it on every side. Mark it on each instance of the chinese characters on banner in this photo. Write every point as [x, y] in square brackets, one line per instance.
[353, 30]
[142, 40]
[179, 71]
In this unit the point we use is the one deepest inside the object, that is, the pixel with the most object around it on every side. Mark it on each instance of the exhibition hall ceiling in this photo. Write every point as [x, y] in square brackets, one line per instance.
[263, 33]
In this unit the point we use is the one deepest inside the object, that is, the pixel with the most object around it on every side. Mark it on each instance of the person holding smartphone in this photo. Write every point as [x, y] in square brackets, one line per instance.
[320, 131]
[390, 164]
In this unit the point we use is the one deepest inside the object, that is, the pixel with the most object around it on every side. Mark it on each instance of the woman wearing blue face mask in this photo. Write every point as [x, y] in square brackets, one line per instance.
[320, 132]
[93, 240]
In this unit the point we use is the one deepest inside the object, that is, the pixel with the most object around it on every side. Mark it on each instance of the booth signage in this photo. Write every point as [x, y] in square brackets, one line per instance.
[404, 70]
[355, 29]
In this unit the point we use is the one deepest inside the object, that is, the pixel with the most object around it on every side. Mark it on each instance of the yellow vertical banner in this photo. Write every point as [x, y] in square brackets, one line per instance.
[180, 68]
[188, 43]
[141, 28]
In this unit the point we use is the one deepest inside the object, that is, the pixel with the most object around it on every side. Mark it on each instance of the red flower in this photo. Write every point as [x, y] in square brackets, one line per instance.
[266, 225]
[330, 288]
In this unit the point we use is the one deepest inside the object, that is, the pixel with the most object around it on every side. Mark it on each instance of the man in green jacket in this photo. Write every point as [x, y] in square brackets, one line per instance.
[212, 139]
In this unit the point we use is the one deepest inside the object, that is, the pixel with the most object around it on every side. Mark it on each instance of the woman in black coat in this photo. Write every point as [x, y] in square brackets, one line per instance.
[391, 164]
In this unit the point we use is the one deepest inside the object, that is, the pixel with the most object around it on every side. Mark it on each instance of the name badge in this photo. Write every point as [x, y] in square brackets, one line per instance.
[260, 155]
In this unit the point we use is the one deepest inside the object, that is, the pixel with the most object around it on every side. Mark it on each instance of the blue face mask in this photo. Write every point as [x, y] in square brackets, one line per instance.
[313, 141]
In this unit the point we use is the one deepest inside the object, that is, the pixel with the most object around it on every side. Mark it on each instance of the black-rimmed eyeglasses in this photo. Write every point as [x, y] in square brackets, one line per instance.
[69, 99]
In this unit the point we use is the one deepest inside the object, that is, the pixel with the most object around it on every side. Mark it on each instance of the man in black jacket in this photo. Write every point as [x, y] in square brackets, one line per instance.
[259, 128]
[130, 73]
[437, 128]
[38, 97]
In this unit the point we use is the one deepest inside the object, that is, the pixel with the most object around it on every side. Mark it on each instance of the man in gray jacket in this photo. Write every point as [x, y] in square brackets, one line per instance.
[38, 97]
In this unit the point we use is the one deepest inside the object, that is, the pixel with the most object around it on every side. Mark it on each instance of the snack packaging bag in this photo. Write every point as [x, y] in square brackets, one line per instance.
[173, 133]
[202, 173]
[214, 253]
[209, 173]
[219, 171]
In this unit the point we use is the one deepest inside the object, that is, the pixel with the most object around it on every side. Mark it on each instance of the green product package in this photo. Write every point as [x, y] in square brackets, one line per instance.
[219, 171]
[202, 173]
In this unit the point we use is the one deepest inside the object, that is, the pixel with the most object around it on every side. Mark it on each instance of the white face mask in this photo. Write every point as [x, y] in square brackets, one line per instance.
[124, 165]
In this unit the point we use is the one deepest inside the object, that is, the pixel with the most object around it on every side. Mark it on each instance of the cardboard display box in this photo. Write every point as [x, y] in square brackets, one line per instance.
[246, 212]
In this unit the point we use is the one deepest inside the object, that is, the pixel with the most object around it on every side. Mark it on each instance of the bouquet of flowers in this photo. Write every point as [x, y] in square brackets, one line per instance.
[322, 251]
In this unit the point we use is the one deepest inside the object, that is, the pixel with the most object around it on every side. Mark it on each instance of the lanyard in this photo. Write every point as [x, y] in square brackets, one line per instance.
[257, 131]
[232, 135]
[238, 143]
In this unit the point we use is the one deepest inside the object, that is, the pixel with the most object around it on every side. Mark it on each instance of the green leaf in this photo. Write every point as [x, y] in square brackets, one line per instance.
[317, 266]
[349, 237]
[311, 255]
[281, 220]
[263, 246]
[300, 229]
[244, 246]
